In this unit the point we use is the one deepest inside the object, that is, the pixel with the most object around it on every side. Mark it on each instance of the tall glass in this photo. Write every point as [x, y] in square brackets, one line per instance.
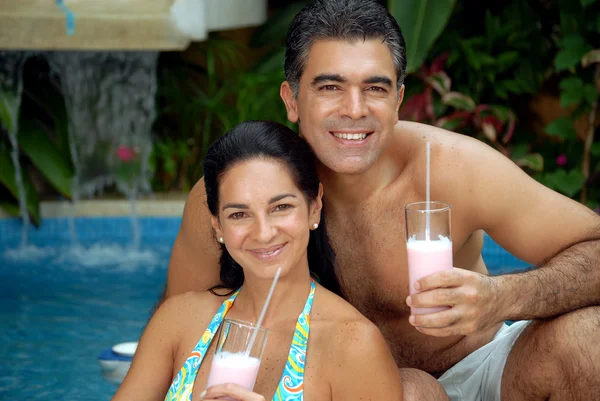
[428, 243]
[232, 363]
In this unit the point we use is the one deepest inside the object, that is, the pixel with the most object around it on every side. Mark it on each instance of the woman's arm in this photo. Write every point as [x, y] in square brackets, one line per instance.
[362, 365]
[150, 374]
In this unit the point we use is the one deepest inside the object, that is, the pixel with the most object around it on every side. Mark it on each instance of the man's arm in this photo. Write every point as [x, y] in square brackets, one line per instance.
[194, 264]
[532, 222]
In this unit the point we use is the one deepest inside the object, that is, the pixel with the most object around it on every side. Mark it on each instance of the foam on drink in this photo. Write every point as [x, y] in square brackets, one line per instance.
[238, 368]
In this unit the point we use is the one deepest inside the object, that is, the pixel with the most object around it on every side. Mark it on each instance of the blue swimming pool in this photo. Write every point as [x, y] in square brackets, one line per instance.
[61, 306]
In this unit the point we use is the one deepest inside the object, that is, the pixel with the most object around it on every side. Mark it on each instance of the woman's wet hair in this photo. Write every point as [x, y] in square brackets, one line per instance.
[269, 141]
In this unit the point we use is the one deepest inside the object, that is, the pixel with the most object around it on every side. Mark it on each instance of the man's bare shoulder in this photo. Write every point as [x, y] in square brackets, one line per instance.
[194, 263]
[454, 156]
[444, 142]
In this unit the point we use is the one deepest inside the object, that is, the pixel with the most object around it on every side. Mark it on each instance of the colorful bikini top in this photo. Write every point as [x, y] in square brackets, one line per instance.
[291, 385]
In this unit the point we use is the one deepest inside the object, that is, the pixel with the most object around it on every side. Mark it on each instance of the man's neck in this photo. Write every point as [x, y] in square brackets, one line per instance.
[354, 189]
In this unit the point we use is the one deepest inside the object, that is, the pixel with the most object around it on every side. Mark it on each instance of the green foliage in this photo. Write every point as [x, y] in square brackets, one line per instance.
[422, 22]
[43, 143]
[567, 182]
[35, 142]
[498, 60]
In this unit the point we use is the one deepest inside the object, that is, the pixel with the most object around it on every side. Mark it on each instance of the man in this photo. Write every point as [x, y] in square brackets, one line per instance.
[345, 64]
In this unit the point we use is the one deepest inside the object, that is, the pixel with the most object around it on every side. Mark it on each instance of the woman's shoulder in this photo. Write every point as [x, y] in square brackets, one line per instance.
[349, 346]
[196, 304]
[333, 309]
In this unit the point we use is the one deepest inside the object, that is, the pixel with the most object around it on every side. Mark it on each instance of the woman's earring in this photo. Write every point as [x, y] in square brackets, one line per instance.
[221, 240]
[315, 226]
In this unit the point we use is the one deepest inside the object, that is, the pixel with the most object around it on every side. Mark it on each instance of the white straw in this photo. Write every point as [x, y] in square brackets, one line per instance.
[427, 193]
[263, 312]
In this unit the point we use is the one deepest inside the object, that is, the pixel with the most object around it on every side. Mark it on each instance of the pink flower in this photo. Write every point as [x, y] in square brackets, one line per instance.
[125, 153]
[561, 160]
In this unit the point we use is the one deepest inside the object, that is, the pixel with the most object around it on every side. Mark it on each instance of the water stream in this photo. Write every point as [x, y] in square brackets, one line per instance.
[110, 99]
[11, 87]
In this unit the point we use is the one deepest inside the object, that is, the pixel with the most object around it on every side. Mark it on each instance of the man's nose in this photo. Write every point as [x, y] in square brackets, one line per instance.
[354, 105]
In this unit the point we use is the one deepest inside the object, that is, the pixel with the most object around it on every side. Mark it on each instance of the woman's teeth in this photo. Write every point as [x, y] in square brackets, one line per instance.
[355, 137]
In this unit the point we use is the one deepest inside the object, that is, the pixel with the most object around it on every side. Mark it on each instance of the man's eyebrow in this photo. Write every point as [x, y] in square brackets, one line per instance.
[327, 78]
[378, 79]
[375, 79]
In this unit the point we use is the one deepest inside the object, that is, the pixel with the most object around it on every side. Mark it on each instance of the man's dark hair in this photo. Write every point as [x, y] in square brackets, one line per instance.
[347, 20]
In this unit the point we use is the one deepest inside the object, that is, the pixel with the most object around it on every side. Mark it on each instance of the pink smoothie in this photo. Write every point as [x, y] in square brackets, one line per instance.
[233, 368]
[425, 258]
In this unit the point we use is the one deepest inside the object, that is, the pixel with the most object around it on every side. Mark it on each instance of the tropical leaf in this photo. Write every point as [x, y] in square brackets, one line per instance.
[6, 104]
[273, 31]
[534, 161]
[561, 127]
[12, 209]
[459, 101]
[591, 57]
[568, 183]
[573, 48]
[422, 22]
[45, 155]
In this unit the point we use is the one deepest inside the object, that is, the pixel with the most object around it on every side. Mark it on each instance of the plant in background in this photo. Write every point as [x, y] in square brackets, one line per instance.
[438, 105]
[127, 165]
[43, 143]
[578, 64]
[496, 61]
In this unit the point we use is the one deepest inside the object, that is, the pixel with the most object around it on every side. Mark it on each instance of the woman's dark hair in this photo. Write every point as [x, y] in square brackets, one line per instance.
[269, 140]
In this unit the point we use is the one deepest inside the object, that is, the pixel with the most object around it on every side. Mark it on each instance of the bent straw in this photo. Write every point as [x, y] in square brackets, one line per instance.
[427, 193]
[263, 312]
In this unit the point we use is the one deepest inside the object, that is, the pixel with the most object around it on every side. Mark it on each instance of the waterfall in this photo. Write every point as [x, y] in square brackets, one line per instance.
[11, 86]
[110, 99]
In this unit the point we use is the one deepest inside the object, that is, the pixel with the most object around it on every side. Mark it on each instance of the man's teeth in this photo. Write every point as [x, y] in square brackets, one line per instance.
[356, 137]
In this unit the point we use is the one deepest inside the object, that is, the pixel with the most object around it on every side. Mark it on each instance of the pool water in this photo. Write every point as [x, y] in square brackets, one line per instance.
[61, 306]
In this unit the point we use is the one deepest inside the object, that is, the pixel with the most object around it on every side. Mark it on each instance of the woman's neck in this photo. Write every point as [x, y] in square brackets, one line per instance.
[287, 301]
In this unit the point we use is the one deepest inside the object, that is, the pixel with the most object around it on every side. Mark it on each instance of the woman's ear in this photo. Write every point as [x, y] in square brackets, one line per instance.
[316, 207]
[214, 221]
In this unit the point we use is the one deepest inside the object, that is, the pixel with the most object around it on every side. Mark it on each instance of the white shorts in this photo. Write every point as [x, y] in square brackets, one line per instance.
[478, 376]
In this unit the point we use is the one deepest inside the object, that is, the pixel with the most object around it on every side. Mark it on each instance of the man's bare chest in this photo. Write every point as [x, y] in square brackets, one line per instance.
[371, 262]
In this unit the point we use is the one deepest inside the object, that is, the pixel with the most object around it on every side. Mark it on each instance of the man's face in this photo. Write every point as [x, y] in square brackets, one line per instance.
[347, 103]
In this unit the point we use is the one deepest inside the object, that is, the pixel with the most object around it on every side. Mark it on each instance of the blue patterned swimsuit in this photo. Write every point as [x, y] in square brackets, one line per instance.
[291, 385]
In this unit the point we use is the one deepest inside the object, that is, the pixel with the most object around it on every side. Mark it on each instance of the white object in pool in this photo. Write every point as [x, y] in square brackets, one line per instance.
[125, 349]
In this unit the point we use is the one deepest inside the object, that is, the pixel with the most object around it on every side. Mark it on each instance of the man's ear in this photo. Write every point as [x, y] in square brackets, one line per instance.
[287, 95]
[399, 101]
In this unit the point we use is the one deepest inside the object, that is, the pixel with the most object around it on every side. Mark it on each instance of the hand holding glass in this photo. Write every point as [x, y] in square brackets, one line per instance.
[233, 362]
[428, 243]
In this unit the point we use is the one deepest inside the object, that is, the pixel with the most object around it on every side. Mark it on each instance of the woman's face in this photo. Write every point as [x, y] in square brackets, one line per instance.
[264, 218]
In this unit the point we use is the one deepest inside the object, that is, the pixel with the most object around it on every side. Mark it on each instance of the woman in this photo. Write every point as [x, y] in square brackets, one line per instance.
[265, 199]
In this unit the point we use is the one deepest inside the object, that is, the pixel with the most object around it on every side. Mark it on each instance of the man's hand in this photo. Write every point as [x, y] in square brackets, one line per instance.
[474, 300]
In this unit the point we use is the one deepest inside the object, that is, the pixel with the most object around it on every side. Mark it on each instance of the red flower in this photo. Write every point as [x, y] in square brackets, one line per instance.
[561, 160]
[125, 153]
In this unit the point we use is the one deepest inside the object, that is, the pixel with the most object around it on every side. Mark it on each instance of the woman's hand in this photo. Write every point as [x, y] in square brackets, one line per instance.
[230, 390]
